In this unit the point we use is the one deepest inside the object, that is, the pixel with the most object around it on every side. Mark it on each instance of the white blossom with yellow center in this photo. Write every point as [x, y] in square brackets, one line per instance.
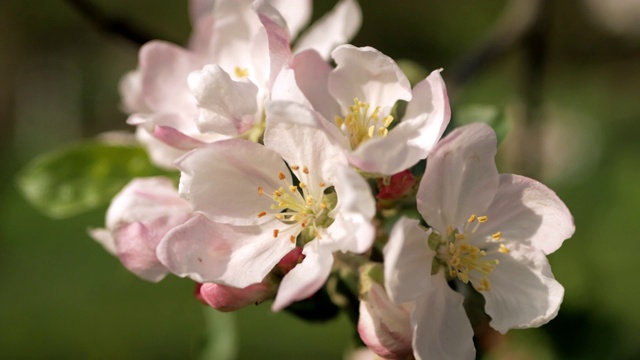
[487, 230]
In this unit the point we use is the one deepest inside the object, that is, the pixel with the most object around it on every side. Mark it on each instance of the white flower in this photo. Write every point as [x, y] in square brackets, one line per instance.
[353, 103]
[489, 230]
[137, 219]
[255, 210]
[243, 44]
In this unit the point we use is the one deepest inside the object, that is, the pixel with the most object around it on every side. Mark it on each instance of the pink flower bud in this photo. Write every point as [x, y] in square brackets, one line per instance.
[398, 186]
[384, 326]
[289, 261]
[227, 298]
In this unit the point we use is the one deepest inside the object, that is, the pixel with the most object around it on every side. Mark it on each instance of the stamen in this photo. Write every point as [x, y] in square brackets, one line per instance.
[483, 219]
[281, 176]
[260, 190]
[497, 236]
[262, 213]
[241, 72]
[276, 232]
[305, 170]
[292, 239]
[503, 249]
[295, 167]
[472, 218]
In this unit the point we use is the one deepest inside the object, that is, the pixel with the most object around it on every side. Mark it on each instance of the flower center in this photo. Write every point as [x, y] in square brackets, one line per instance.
[300, 205]
[362, 123]
[241, 73]
[464, 260]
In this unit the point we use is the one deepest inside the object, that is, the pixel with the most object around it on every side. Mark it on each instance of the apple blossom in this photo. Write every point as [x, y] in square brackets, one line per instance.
[353, 104]
[243, 44]
[137, 219]
[255, 209]
[489, 230]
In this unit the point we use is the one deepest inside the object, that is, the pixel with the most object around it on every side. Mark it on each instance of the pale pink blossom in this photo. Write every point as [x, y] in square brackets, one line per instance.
[243, 44]
[488, 230]
[353, 104]
[137, 219]
[255, 209]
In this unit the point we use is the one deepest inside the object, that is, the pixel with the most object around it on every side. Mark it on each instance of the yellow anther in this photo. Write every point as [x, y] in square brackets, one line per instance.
[370, 131]
[482, 219]
[449, 230]
[383, 132]
[387, 121]
[241, 72]
[260, 190]
[275, 233]
[472, 218]
[292, 239]
[277, 193]
[497, 236]
[503, 249]
[339, 121]
[322, 184]
[302, 185]
[305, 170]
[295, 167]
[293, 188]
[281, 176]
[323, 205]
[262, 213]
[279, 216]
[459, 236]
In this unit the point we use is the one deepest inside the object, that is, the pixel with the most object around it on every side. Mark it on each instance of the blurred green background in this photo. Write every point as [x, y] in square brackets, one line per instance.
[566, 73]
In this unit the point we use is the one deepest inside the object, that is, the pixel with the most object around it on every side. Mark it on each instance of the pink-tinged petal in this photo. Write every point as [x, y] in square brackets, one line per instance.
[199, 8]
[104, 238]
[384, 326]
[164, 68]
[160, 153]
[222, 180]
[136, 245]
[306, 278]
[523, 291]
[461, 177]
[425, 120]
[296, 13]
[138, 218]
[277, 37]
[231, 255]
[225, 106]
[285, 88]
[352, 229]
[407, 261]
[369, 75]
[526, 211]
[175, 138]
[312, 76]
[298, 116]
[442, 329]
[226, 298]
[335, 28]
[202, 31]
[131, 92]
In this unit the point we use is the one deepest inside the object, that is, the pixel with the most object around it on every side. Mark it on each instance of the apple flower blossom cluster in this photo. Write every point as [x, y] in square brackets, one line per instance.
[301, 162]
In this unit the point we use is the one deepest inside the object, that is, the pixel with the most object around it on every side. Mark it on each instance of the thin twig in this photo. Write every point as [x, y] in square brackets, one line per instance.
[112, 25]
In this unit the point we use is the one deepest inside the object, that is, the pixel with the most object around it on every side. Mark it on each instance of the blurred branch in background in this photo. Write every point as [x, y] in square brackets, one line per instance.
[112, 25]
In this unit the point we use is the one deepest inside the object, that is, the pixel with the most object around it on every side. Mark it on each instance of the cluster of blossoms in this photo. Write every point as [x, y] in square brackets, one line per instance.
[294, 171]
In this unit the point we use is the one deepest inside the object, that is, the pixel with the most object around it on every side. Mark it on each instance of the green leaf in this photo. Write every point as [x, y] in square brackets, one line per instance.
[222, 339]
[487, 114]
[81, 177]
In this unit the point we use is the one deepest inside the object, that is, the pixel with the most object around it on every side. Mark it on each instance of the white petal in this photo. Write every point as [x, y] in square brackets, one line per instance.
[442, 329]
[231, 255]
[236, 27]
[306, 278]
[299, 114]
[352, 229]
[407, 261]
[335, 28]
[296, 13]
[526, 211]
[164, 69]
[369, 75]
[523, 291]
[130, 88]
[461, 177]
[312, 76]
[226, 106]
[285, 88]
[222, 179]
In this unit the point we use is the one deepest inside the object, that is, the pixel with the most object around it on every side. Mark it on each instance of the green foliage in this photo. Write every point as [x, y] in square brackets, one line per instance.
[487, 114]
[81, 177]
[222, 339]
